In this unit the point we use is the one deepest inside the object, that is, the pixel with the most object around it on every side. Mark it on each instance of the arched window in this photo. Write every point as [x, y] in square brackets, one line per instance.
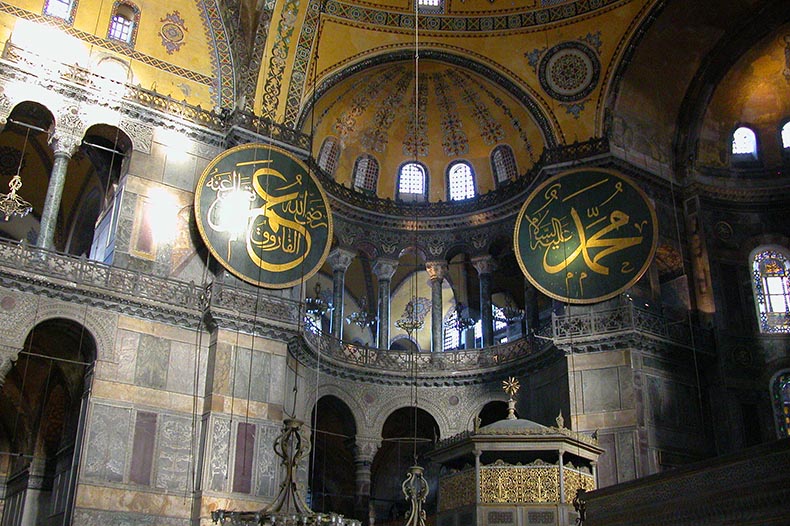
[61, 9]
[770, 275]
[412, 182]
[503, 163]
[123, 24]
[460, 181]
[328, 155]
[780, 397]
[366, 173]
[786, 135]
[744, 144]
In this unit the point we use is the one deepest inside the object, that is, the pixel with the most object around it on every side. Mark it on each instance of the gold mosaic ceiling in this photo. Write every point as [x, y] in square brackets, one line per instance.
[461, 115]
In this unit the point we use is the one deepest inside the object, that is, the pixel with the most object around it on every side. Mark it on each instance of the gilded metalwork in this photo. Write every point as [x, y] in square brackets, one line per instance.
[585, 235]
[502, 483]
[457, 490]
[574, 480]
[511, 386]
[263, 215]
[415, 489]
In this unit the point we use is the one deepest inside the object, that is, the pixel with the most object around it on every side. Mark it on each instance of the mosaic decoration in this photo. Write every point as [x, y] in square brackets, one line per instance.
[280, 49]
[250, 74]
[263, 215]
[490, 130]
[786, 71]
[346, 122]
[454, 140]
[569, 71]
[173, 32]
[363, 80]
[545, 15]
[514, 121]
[780, 392]
[298, 80]
[375, 138]
[585, 235]
[222, 60]
[415, 144]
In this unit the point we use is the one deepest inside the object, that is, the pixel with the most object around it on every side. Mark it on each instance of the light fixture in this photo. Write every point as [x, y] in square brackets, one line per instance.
[509, 313]
[459, 321]
[12, 204]
[363, 317]
[316, 305]
[412, 319]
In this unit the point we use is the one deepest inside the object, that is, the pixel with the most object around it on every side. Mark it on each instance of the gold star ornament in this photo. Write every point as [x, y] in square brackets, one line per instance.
[511, 386]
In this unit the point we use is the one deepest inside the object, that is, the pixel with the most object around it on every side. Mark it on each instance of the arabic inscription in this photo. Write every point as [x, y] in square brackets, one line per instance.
[585, 235]
[263, 215]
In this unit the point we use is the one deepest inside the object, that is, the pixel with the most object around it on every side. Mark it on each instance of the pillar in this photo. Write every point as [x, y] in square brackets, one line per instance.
[340, 260]
[384, 269]
[64, 146]
[562, 481]
[485, 266]
[364, 450]
[437, 271]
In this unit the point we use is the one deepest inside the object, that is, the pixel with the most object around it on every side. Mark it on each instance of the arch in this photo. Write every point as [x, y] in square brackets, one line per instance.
[328, 155]
[63, 9]
[360, 413]
[397, 401]
[744, 144]
[492, 411]
[412, 184]
[503, 164]
[366, 173]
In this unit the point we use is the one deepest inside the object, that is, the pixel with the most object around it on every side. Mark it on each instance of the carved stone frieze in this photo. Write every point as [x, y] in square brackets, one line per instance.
[141, 134]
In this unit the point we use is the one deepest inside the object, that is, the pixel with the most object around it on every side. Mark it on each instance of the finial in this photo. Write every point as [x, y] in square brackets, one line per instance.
[560, 420]
[511, 387]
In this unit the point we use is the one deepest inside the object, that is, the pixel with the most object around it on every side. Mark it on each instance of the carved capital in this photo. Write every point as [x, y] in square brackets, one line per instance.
[64, 143]
[484, 264]
[340, 259]
[364, 450]
[437, 270]
[384, 269]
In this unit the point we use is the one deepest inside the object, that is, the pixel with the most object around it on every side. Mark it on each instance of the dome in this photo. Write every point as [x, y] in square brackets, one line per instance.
[462, 116]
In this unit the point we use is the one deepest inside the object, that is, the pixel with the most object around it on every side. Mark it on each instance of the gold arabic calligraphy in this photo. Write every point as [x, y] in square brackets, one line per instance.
[593, 243]
[278, 233]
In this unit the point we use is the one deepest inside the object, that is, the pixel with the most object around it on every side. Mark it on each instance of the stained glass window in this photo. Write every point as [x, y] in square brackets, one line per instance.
[461, 181]
[366, 173]
[780, 394]
[770, 272]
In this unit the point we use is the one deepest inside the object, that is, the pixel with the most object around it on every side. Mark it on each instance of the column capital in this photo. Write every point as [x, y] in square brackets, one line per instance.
[437, 270]
[385, 268]
[340, 259]
[64, 143]
[484, 264]
[365, 449]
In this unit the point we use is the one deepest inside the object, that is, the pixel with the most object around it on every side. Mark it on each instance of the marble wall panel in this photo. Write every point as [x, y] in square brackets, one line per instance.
[601, 390]
[108, 443]
[90, 517]
[217, 468]
[626, 456]
[174, 453]
[251, 375]
[266, 462]
[126, 345]
[277, 380]
[153, 356]
[181, 367]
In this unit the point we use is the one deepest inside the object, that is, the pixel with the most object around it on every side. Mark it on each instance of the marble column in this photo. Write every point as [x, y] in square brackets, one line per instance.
[64, 145]
[364, 451]
[339, 259]
[485, 266]
[562, 479]
[384, 269]
[437, 271]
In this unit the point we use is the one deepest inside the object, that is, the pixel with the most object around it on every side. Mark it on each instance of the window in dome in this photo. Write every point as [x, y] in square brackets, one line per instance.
[61, 9]
[744, 144]
[412, 182]
[430, 6]
[780, 396]
[460, 181]
[786, 136]
[123, 24]
[328, 155]
[366, 173]
[770, 273]
[504, 164]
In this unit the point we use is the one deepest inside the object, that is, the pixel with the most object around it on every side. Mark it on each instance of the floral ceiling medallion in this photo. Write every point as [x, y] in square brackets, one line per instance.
[173, 32]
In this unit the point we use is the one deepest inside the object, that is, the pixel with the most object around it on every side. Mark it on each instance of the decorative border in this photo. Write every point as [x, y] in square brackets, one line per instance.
[223, 87]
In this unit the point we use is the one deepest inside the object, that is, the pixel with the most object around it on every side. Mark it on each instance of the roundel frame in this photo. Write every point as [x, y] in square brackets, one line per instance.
[268, 153]
[643, 267]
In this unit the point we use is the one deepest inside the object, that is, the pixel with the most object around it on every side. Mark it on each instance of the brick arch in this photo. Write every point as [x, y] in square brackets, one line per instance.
[405, 399]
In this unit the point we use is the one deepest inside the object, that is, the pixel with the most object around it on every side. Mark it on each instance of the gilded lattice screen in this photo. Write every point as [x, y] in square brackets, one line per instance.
[457, 490]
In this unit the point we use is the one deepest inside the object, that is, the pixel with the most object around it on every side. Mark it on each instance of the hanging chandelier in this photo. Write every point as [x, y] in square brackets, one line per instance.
[11, 204]
[316, 305]
[363, 317]
[458, 321]
[508, 313]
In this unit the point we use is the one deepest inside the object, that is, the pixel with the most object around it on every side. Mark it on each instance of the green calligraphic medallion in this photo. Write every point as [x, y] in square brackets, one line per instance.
[585, 235]
[263, 215]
